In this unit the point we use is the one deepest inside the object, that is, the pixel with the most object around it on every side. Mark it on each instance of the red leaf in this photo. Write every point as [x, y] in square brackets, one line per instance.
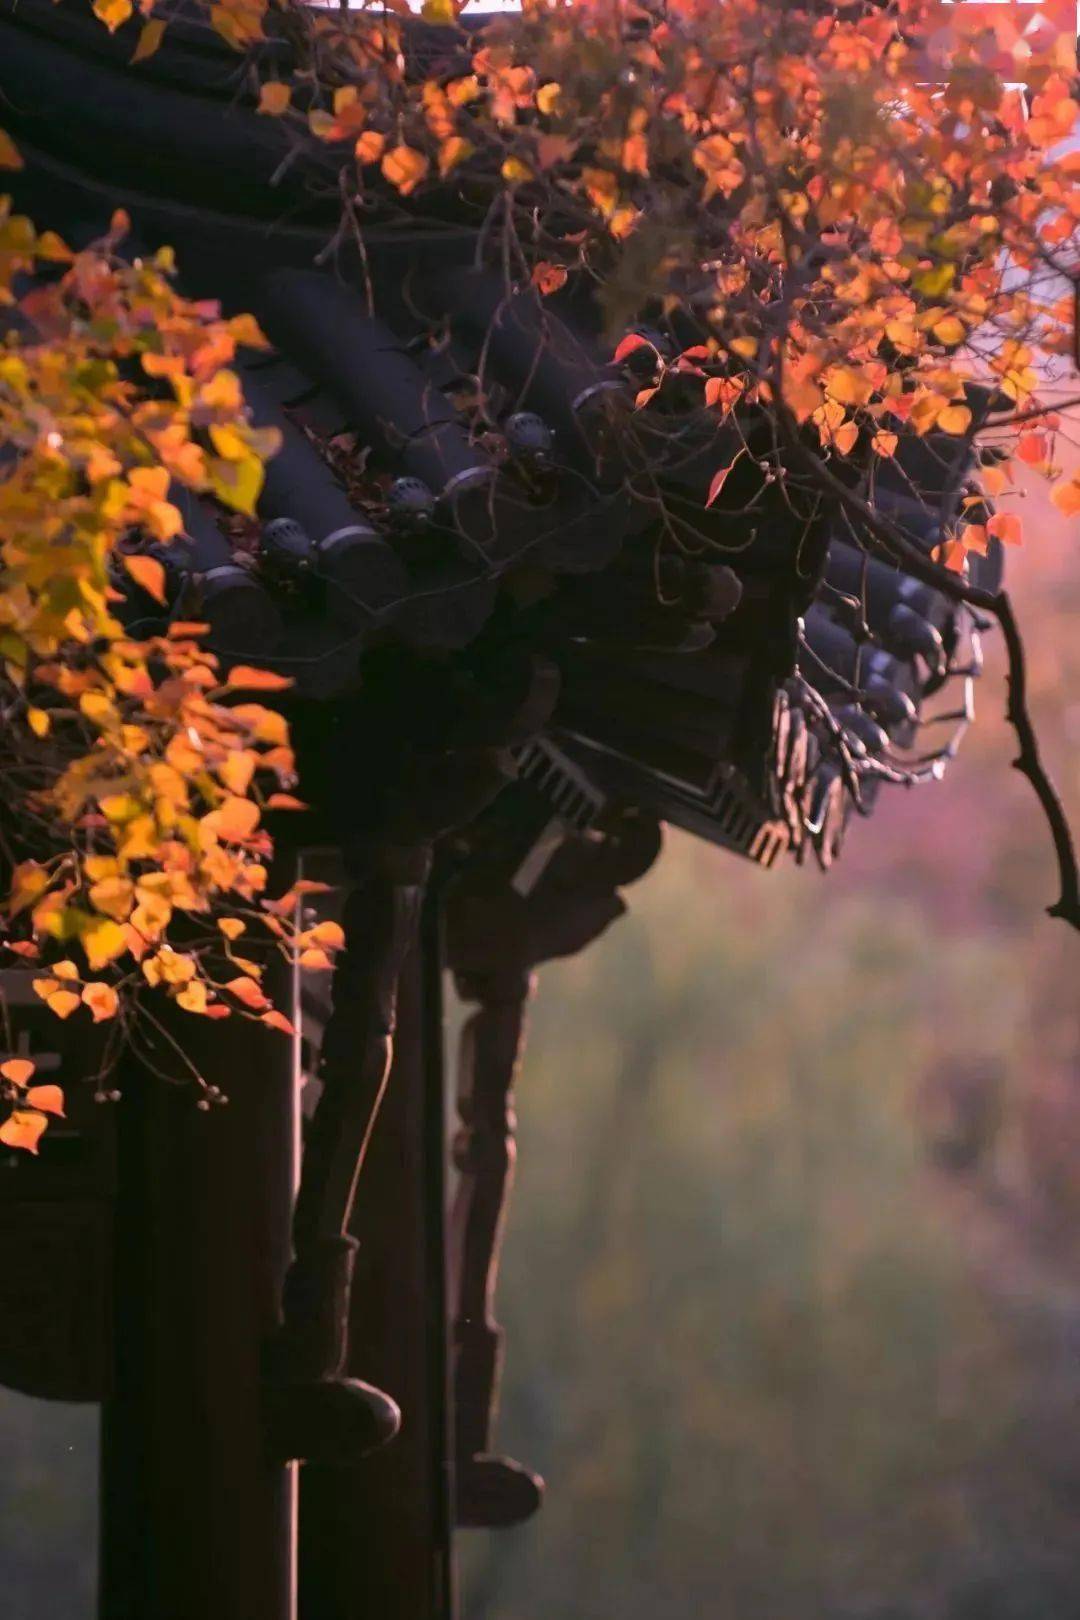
[719, 481]
[631, 344]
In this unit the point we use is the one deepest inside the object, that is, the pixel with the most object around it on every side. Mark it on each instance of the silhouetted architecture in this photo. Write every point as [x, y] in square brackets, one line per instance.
[520, 643]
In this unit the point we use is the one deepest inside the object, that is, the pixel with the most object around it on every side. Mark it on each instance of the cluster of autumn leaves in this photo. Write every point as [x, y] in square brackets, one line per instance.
[863, 214]
[138, 772]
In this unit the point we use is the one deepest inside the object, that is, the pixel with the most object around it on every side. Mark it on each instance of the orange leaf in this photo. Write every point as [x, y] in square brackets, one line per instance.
[404, 167]
[1066, 496]
[370, 146]
[285, 801]
[235, 819]
[1033, 448]
[277, 1020]
[315, 961]
[102, 1001]
[19, 1071]
[247, 991]
[49, 1099]
[63, 1003]
[148, 574]
[257, 680]
[274, 98]
[1006, 527]
[548, 278]
[9, 153]
[23, 1130]
[237, 769]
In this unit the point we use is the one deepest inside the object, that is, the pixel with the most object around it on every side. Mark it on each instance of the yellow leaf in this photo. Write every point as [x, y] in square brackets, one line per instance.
[9, 154]
[238, 483]
[28, 883]
[547, 97]
[47, 1099]
[23, 1130]
[935, 281]
[18, 1071]
[192, 997]
[148, 574]
[237, 769]
[150, 39]
[102, 1000]
[151, 916]
[119, 807]
[848, 387]
[65, 970]
[846, 437]
[950, 330]
[103, 941]
[38, 721]
[274, 98]
[954, 419]
[169, 967]
[231, 927]
[140, 840]
[98, 707]
[515, 171]
[439, 11]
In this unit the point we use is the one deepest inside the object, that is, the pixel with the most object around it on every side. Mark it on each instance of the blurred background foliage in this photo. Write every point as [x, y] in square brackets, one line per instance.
[791, 1283]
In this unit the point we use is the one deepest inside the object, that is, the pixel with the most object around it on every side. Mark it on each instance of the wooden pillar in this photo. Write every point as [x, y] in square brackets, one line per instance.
[375, 1539]
[197, 1523]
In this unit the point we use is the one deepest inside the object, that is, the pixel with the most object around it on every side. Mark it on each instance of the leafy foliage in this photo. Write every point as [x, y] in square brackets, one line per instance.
[857, 212]
[136, 783]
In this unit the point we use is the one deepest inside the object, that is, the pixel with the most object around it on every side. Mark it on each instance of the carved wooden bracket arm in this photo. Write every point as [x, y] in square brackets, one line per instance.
[495, 936]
